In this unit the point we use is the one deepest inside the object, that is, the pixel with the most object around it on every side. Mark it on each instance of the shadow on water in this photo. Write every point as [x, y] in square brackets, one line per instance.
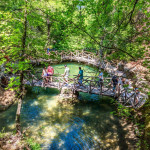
[100, 120]
[88, 124]
[7, 118]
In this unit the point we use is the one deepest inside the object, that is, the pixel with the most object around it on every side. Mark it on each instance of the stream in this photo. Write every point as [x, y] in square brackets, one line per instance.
[86, 125]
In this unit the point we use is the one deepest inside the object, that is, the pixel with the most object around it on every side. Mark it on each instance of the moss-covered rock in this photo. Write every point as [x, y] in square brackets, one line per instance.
[68, 96]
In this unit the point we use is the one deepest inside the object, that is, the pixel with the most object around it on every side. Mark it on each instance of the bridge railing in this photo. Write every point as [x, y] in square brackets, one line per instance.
[78, 55]
[124, 95]
[74, 55]
[90, 84]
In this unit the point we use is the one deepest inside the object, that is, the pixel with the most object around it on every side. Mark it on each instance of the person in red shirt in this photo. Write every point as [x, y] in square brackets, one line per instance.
[50, 72]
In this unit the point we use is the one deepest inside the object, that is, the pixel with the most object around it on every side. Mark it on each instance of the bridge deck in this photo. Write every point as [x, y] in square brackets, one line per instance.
[78, 88]
[129, 100]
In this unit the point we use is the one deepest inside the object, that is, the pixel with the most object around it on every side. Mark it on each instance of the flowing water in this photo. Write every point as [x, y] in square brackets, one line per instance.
[86, 125]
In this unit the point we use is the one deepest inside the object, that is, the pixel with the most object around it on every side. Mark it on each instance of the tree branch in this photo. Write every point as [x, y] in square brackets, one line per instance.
[93, 38]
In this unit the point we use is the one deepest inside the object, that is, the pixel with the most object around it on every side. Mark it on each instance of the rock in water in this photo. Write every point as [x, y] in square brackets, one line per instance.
[68, 96]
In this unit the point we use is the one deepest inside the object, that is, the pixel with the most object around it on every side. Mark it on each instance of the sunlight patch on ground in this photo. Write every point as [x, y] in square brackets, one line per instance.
[86, 112]
[11, 126]
[53, 102]
[35, 103]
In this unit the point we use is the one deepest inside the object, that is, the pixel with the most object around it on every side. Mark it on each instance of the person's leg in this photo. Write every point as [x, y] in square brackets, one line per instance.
[137, 99]
[101, 83]
[98, 84]
[44, 81]
[114, 87]
[66, 79]
[116, 90]
[51, 78]
[47, 79]
[80, 82]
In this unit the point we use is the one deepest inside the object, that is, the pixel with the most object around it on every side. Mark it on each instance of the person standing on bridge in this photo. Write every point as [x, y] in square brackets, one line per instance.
[125, 83]
[100, 76]
[44, 75]
[50, 72]
[136, 96]
[80, 76]
[115, 83]
[49, 49]
[66, 74]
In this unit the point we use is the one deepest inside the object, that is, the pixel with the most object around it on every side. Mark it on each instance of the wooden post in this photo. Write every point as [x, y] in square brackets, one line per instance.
[125, 95]
[101, 88]
[61, 57]
[74, 85]
[78, 56]
[64, 56]
[59, 85]
[90, 87]
[71, 56]
[32, 80]
[88, 58]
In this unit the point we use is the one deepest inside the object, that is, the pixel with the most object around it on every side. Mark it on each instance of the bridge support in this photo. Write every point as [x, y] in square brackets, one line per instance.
[68, 96]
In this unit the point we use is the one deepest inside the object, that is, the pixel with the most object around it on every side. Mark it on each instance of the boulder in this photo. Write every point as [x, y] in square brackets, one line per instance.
[129, 73]
[147, 77]
[68, 96]
[121, 67]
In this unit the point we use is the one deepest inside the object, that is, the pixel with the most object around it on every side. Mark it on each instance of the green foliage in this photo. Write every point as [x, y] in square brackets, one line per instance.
[36, 90]
[123, 111]
[32, 144]
[2, 133]
[14, 83]
[75, 25]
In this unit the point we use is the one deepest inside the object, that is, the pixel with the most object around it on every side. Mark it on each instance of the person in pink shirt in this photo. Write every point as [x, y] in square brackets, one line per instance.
[50, 72]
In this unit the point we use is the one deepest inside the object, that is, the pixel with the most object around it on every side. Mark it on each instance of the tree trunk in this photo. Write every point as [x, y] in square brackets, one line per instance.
[20, 92]
[101, 53]
[48, 32]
